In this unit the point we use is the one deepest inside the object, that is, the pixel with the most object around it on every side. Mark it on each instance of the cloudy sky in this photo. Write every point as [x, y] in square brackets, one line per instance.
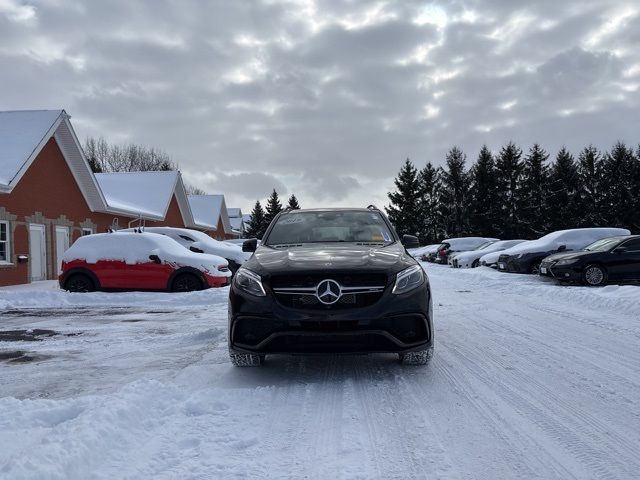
[325, 98]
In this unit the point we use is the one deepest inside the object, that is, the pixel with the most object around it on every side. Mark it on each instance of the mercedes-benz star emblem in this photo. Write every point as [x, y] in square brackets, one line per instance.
[328, 291]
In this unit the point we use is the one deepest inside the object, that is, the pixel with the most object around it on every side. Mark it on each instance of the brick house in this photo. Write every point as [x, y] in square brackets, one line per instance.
[49, 197]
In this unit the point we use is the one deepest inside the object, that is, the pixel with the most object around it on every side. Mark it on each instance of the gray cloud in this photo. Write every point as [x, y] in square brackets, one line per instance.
[325, 98]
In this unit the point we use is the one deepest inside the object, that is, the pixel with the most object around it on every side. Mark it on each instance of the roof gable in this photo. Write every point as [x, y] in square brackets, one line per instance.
[145, 194]
[208, 209]
[22, 136]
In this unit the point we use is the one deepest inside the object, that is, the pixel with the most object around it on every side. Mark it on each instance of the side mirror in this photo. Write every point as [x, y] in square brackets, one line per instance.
[196, 249]
[620, 250]
[562, 248]
[155, 258]
[410, 241]
[250, 245]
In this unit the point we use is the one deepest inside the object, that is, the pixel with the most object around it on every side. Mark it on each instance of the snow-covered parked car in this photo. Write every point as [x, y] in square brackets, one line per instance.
[200, 242]
[452, 258]
[422, 251]
[472, 258]
[527, 256]
[455, 245]
[138, 261]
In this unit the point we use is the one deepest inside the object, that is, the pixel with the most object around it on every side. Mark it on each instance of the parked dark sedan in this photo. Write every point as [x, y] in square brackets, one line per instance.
[614, 258]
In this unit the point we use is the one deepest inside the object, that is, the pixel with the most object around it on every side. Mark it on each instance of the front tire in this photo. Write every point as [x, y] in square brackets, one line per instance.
[186, 282]
[246, 359]
[476, 263]
[535, 268]
[420, 357]
[594, 276]
[79, 282]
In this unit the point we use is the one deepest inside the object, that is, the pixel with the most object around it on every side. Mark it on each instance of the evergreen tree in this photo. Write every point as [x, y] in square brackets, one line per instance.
[403, 210]
[256, 226]
[590, 193]
[483, 211]
[293, 203]
[534, 193]
[564, 200]
[274, 207]
[509, 169]
[620, 188]
[454, 194]
[430, 224]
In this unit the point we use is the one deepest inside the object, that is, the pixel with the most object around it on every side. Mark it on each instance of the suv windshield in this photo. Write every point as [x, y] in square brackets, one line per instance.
[330, 226]
[603, 245]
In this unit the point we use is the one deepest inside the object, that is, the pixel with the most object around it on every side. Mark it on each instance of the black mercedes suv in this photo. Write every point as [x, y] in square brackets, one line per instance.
[330, 281]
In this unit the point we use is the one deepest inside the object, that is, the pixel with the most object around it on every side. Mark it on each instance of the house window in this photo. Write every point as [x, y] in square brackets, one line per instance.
[5, 253]
[87, 231]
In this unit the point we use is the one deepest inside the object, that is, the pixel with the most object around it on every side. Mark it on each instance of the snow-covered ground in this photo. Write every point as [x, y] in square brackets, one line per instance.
[530, 380]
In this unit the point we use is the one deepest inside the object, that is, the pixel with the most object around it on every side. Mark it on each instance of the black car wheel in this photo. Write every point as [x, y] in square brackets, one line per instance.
[594, 275]
[535, 268]
[186, 282]
[79, 282]
[476, 263]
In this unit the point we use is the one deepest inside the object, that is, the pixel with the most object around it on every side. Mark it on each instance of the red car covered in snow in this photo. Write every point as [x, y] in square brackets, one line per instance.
[139, 261]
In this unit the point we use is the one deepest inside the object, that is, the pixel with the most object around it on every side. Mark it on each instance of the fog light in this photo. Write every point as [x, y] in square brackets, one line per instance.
[566, 274]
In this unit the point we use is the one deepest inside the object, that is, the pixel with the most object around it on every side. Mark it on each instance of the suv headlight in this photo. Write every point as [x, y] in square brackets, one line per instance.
[408, 279]
[249, 282]
[567, 261]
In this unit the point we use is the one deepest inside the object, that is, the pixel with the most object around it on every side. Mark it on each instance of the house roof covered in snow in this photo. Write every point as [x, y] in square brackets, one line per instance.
[234, 212]
[208, 209]
[147, 194]
[23, 135]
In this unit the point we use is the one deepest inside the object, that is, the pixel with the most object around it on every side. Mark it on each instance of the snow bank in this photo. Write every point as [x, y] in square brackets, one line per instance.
[619, 298]
[48, 295]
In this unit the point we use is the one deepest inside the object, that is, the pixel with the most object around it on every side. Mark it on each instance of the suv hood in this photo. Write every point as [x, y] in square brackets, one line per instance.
[330, 257]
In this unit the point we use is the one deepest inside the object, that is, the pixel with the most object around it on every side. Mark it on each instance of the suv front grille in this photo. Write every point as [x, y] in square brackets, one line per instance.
[311, 280]
[357, 290]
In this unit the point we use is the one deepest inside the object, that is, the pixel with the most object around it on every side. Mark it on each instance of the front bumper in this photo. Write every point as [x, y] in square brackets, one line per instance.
[395, 323]
[512, 265]
[565, 273]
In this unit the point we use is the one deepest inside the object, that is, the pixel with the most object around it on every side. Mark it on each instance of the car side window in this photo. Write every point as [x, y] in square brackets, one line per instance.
[187, 238]
[632, 245]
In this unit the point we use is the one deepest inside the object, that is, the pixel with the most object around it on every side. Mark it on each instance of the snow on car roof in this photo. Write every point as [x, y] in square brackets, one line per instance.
[133, 248]
[146, 193]
[20, 134]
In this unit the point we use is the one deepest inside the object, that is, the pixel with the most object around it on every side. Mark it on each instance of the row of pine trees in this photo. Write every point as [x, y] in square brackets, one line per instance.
[261, 217]
[511, 194]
